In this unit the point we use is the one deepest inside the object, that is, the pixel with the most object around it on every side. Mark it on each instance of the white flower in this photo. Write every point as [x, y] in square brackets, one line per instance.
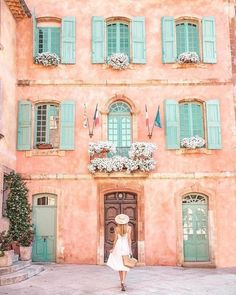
[192, 142]
[47, 59]
[101, 146]
[142, 150]
[188, 57]
[118, 61]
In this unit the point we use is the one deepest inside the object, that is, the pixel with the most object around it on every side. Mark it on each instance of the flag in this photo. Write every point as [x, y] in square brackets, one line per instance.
[85, 117]
[95, 117]
[146, 116]
[157, 121]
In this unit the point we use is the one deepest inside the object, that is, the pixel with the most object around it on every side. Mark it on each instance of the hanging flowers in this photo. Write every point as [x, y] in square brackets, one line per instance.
[100, 147]
[118, 61]
[188, 57]
[142, 150]
[47, 59]
[192, 142]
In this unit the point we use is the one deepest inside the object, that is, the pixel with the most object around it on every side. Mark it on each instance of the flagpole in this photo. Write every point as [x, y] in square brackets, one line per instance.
[154, 122]
[147, 121]
[94, 118]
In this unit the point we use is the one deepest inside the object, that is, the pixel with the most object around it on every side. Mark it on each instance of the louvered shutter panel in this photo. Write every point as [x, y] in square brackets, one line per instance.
[68, 40]
[35, 36]
[67, 136]
[197, 120]
[185, 122]
[24, 125]
[98, 28]
[55, 41]
[168, 40]
[172, 124]
[138, 40]
[213, 124]
[209, 39]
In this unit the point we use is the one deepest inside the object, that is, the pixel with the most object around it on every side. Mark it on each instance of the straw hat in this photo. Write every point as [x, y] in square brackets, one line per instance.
[122, 219]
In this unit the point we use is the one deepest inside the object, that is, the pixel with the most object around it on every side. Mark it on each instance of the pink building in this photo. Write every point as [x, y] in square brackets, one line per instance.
[182, 211]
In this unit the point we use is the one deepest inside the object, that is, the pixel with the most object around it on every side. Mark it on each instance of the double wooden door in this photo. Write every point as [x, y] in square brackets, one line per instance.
[117, 203]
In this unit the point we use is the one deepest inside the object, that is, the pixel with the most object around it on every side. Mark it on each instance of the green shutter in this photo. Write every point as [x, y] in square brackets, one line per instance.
[138, 40]
[35, 35]
[55, 41]
[98, 27]
[168, 40]
[172, 124]
[112, 39]
[67, 136]
[209, 39]
[197, 119]
[68, 40]
[185, 120]
[213, 124]
[181, 38]
[24, 125]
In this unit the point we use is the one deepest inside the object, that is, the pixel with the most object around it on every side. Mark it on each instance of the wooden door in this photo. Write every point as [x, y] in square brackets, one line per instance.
[44, 221]
[195, 228]
[117, 203]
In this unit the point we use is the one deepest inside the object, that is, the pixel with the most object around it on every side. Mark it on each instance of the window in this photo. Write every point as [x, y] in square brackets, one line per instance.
[187, 39]
[119, 127]
[114, 36]
[118, 35]
[187, 119]
[180, 36]
[53, 125]
[59, 38]
[47, 125]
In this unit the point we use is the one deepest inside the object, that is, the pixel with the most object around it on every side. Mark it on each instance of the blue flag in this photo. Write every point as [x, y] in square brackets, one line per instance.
[157, 121]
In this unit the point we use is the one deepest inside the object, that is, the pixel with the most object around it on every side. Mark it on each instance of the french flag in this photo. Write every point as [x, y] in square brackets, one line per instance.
[146, 116]
[95, 117]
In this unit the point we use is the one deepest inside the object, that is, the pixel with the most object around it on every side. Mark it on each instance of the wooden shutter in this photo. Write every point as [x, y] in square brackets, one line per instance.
[67, 136]
[197, 119]
[168, 40]
[138, 40]
[55, 41]
[185, 120]
[24, 125]
[98, 28]
[68, 40]
[172, 124]
[213, 124]
[209, 39]
[35, 36]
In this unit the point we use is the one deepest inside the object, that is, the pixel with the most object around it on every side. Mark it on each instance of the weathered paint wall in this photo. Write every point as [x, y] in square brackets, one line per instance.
[8, 99]
[79, 216]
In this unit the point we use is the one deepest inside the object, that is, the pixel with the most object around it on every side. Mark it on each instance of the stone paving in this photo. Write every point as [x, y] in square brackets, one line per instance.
[58, 279]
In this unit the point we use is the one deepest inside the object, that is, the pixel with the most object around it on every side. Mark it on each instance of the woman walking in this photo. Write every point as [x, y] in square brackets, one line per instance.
[121, 246]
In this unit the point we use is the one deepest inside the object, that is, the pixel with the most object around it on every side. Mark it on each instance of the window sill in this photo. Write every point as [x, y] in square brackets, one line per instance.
[184, 151]
[45, 152]
[107, 67]
[189, 65]
[121, 175]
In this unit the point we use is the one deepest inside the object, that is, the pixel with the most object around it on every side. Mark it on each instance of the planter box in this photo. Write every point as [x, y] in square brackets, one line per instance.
[25, 253]
[44, 146]
[7, 259]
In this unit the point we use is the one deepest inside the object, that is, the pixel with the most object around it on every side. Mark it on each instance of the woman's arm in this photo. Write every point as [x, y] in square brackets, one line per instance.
[129, 239]
[114, 242]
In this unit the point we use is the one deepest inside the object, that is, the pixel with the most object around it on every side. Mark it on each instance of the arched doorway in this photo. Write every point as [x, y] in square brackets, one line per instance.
[44, 222]
[195, 227]
[117, 203]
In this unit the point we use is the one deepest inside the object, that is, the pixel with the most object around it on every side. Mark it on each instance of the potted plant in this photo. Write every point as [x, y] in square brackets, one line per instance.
[47, 59]
[19, 210]
[118, 61]
[25, 241]
[6, 253]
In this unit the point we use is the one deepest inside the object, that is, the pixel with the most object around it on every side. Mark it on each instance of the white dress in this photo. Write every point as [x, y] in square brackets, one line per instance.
[115, 260]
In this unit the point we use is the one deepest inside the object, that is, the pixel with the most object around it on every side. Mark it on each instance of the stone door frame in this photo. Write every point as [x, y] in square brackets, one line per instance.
[114, 186]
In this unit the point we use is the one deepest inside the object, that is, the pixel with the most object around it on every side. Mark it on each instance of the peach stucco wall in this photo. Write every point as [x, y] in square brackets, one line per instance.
[212, 172]
[8, 97]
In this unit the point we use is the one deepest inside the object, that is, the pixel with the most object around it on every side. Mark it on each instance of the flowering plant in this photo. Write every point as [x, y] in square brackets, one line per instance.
[47, 59]
[5, 242]
[192, 142]
[140, 150]
[118, 61]
[118, 163]
[101, 146]
[188, 57]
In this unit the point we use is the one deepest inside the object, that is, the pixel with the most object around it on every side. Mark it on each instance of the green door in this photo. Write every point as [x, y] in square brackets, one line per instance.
[44, 220]
[119, 127]
[195, 228]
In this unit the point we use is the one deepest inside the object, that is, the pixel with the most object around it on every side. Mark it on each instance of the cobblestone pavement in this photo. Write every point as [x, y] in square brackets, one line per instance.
[58, 279]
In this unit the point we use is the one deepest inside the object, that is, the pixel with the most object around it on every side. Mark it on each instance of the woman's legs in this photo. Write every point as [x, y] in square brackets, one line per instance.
[122, 275]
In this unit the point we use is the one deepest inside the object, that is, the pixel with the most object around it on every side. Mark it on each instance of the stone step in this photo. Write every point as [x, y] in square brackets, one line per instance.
[18, 265]
[21, 275]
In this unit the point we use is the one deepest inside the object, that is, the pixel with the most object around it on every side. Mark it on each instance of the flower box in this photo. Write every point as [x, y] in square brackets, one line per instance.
[188, 58]
[47, 59]
[118, 61]
[44, 146]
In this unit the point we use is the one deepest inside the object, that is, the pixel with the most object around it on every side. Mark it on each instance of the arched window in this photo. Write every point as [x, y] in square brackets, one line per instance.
[118, 38]
[119, 127]
[187, 37]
